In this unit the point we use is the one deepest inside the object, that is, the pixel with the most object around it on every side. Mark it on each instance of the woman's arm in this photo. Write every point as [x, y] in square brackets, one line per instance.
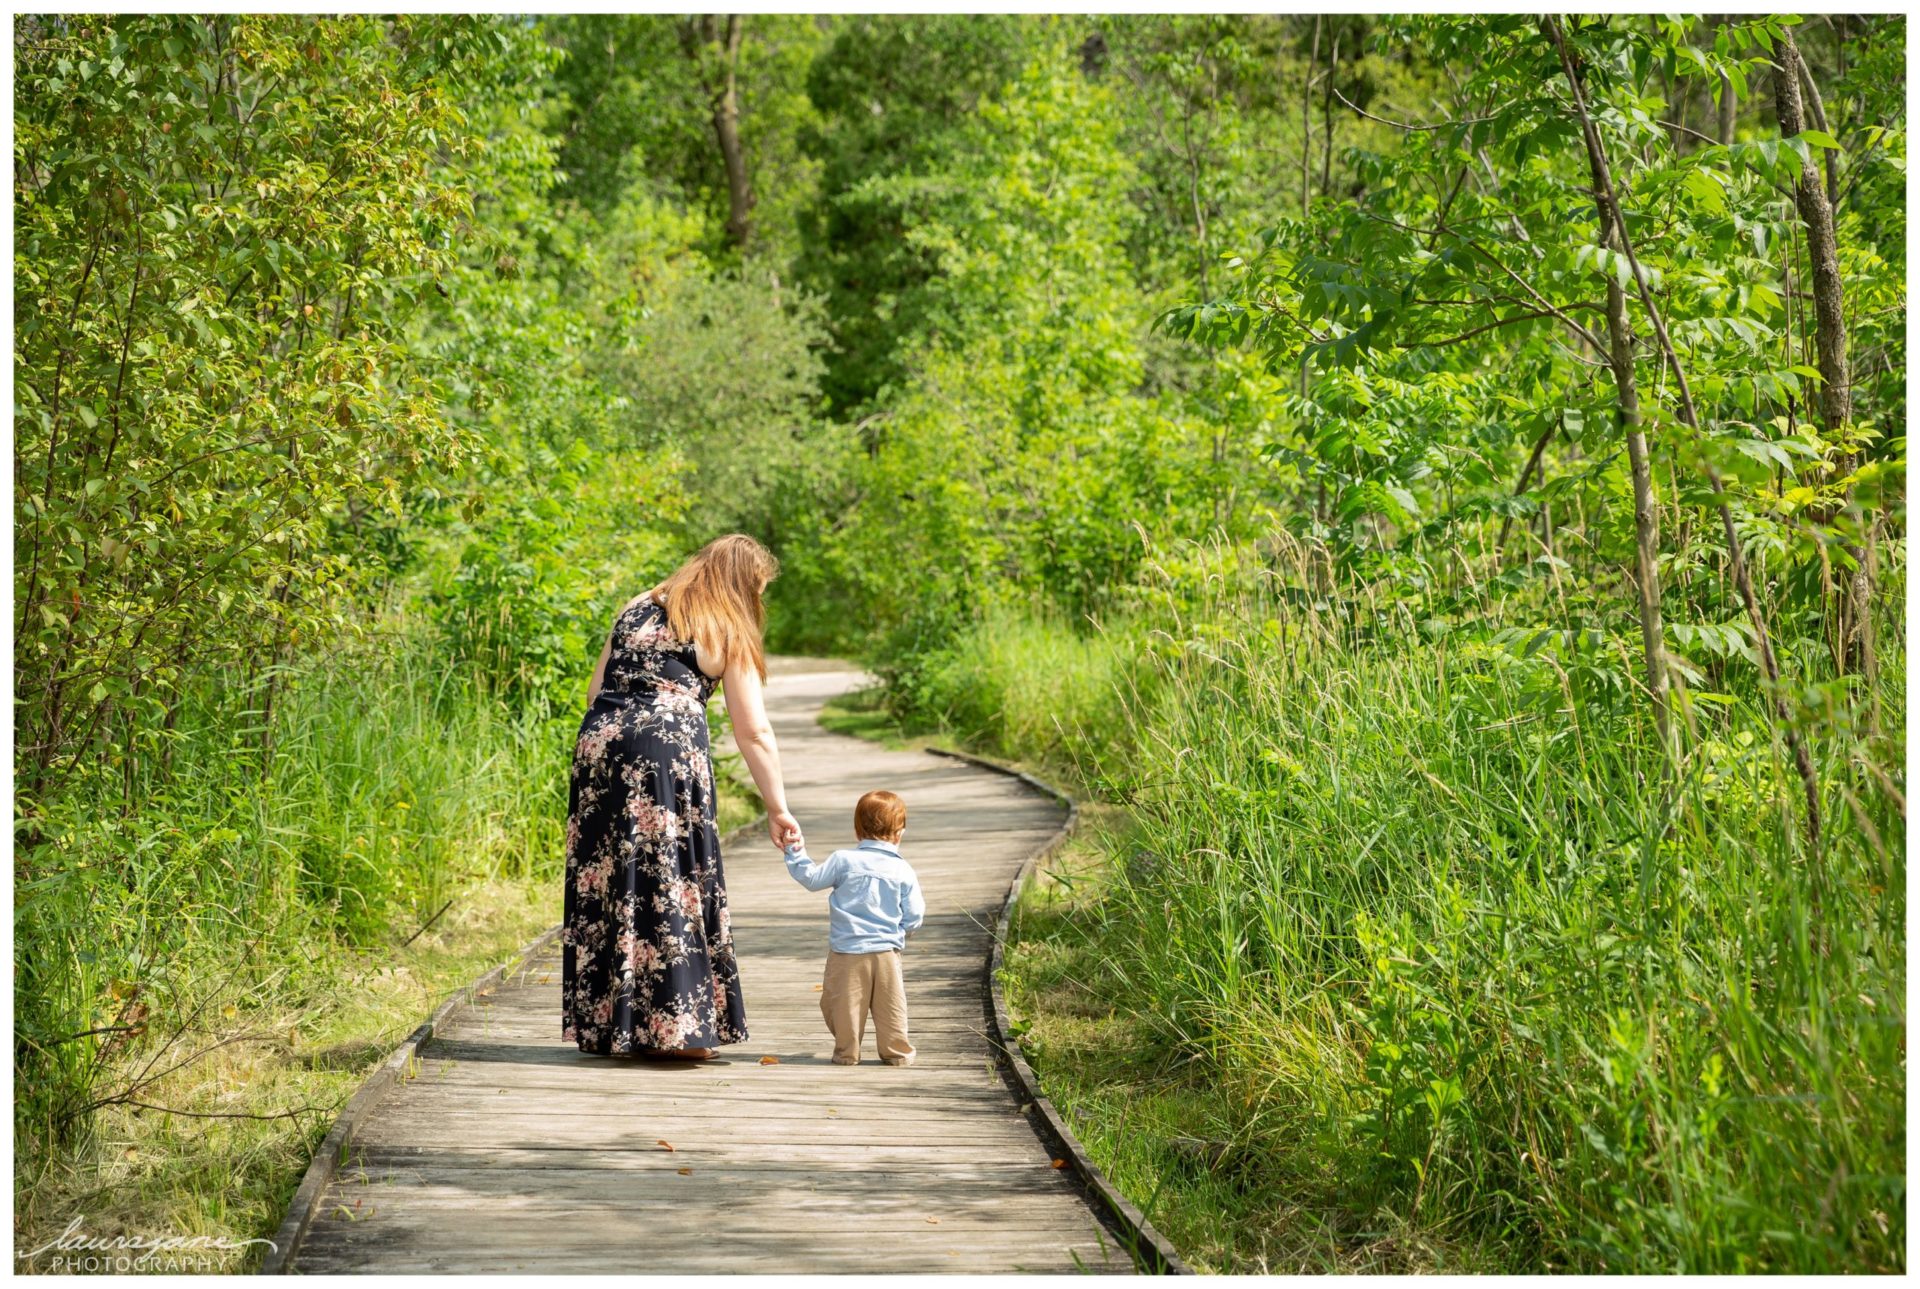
[600, 671]
[753, 733]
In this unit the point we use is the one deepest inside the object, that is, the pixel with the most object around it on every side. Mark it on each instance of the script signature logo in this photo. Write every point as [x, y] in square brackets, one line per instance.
[74, 1248]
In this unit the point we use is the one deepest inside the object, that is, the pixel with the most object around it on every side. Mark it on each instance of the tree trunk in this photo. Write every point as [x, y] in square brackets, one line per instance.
[1814, 201]
[1609, 204]
[1818, 110]
[1646, 507]
[722, 86]
[1816, 212]
[1306, 127]
[1326, 112]
[1526, 474]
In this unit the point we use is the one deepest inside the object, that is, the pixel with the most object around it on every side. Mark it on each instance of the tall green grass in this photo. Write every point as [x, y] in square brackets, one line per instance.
[1426, 947]
[1019, 682]
[158, 901]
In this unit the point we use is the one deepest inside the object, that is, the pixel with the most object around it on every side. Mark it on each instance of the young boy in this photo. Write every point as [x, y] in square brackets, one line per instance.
[876, 900]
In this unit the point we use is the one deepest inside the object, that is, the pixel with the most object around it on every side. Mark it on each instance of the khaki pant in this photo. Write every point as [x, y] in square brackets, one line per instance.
[855, 984]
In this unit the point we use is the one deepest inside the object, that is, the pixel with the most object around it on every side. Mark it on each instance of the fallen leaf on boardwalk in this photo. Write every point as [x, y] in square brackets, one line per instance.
[1059, 1163]
[933, 1221]
[769, 1060]
[664, 1144]
[684, 1172]
[819, 989]
[545, 980]
[831, 1110]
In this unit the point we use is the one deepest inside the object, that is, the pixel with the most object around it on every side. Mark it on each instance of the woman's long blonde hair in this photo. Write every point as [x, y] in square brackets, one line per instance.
[714, 600]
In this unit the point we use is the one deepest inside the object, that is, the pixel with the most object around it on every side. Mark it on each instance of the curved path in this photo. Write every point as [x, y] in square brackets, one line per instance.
[509, 1150]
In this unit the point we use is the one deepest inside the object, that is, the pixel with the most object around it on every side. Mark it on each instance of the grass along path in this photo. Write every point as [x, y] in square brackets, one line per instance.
[447, 809]
[1417, 1000]
[1163, 1129]
[253, 1108]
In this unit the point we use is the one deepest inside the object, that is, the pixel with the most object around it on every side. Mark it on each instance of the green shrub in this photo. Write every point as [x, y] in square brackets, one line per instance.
[527, 590]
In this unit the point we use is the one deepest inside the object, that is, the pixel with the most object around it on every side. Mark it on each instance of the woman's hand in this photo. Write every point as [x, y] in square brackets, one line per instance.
[784, 829]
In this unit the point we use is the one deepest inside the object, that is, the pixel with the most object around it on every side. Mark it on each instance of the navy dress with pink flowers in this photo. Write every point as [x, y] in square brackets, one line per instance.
[647, 949]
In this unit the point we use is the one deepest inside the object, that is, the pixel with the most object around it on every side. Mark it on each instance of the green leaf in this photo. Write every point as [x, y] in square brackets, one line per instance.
[1705, 187]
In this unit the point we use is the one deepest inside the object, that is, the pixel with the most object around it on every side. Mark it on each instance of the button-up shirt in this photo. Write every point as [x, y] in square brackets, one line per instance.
[876, 896]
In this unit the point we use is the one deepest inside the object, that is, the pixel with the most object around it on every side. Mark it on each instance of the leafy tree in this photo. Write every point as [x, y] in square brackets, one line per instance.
[1449, 261]
[892, 96]
[640, 94]
[1014, 457]
[629, 113]
[223, 225]
[726, 371]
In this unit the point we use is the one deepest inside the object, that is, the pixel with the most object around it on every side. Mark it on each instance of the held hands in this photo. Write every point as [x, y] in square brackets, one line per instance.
[784, 829]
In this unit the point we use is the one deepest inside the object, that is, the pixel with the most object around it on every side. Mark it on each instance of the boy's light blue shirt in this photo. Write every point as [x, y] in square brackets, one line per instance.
[876, 896]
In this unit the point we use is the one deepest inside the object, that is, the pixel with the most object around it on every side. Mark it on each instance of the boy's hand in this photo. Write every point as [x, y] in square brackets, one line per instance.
[785, 830]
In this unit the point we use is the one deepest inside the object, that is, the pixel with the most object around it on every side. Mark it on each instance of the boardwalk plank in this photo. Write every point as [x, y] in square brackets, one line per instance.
[509, 1150]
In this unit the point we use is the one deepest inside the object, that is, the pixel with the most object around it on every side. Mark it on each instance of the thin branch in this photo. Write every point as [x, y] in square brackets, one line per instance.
[1691, 132]
[1495, 325]
[1539, 300]
[294, 1113]
[1402, 125]
[429, 922]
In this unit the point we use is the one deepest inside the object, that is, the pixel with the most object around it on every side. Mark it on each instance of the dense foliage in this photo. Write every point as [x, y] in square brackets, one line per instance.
[1438, 480]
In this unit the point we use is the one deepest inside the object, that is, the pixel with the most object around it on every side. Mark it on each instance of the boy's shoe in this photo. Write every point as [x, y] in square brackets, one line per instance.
[846, 1060]
[897, 1060]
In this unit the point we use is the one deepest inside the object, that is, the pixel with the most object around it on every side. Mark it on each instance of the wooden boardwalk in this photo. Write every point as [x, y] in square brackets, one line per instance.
[510, 1150]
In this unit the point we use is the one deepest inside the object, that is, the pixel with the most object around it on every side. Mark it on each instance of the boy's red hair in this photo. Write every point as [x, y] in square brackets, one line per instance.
[880, 816]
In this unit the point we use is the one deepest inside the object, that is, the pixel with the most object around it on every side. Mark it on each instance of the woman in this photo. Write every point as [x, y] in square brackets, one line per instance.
[648, 966]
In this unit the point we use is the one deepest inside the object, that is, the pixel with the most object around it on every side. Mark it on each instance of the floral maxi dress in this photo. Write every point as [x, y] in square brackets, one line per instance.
[647, 959]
